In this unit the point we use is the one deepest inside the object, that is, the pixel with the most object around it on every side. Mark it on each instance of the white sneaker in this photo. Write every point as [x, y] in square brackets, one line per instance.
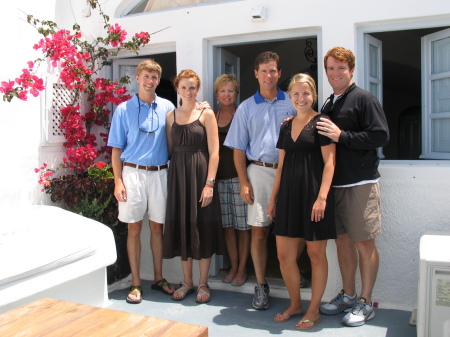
[360, 313]
[338, 304]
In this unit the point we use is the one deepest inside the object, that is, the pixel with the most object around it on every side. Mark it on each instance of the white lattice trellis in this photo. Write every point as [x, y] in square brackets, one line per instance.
[57, 96]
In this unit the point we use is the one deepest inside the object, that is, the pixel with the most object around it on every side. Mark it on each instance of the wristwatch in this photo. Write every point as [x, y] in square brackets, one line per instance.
[211, 180]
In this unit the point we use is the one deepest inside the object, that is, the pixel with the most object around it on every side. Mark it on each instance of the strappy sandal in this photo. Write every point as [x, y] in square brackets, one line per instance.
[201, 292]
[159, 285]
[135, 291]
[183, 290]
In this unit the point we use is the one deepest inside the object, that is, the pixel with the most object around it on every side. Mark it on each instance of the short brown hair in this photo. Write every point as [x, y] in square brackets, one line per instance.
[150, 66]
[266, 57]
[305, 78]
[224, 79]
[341, 54]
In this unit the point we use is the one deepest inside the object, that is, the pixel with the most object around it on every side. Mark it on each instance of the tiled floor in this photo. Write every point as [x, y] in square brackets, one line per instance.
[230, 314]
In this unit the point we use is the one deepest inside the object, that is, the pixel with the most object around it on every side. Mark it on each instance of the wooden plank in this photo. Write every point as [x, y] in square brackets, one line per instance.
[50, 317]
[44, 312]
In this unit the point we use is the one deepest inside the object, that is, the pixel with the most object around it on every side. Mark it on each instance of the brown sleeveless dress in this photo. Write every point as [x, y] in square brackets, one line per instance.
[190, 231]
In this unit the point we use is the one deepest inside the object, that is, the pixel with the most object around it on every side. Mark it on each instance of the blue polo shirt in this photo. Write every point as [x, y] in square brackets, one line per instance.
[140, 147]
[256, 126]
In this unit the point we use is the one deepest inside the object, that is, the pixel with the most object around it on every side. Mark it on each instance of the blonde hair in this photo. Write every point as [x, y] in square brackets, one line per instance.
[305, 78]
[150, 66]
[224, 79]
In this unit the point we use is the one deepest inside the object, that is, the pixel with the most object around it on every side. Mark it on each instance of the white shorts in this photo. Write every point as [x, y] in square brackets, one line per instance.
[261, 178]
[146, 192]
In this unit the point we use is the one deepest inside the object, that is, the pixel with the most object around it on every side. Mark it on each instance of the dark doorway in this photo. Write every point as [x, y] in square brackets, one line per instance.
[297, 56]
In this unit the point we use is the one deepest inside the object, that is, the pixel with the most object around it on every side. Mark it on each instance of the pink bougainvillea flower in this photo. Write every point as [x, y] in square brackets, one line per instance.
[144, 36]
[22, 95]
[7, 87]
[116, 35]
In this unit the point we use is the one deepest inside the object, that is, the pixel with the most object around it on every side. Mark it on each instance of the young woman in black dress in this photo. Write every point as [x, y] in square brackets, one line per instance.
[301, 204]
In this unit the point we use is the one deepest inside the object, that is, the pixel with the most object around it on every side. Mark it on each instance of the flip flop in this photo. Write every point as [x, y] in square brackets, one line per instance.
[201, 292]
[185, 288]
[238, 283]
[314, 323]
[227, 279]
[135, 290]
[159, 285]
[284, 316]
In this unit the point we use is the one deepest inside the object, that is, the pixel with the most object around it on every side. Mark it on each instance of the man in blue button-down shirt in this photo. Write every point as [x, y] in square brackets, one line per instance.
[253, 134]
[139, 161]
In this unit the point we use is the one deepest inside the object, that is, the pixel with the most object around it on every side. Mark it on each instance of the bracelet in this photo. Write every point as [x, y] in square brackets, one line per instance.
[272, 202]
[210, 186]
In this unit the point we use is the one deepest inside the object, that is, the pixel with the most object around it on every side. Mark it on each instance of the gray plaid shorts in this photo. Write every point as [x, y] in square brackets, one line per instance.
[234, 209]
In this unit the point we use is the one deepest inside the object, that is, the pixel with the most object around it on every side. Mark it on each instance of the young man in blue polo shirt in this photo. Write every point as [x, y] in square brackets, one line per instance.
[253, 134]
[139, 161]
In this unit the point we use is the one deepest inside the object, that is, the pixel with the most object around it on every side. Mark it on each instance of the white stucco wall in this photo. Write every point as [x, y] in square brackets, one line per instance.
[415, 195]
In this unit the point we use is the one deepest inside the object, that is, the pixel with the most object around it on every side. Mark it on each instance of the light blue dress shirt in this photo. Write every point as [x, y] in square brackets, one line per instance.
[256, 126]
[140, 147]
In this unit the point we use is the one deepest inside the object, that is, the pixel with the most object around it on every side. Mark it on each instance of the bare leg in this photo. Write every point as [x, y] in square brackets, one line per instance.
[232, 248]
[134, 253]
[244, 238]
[204, 265]
[368, 266]
[348, 262]
[290, 271]
[301, 246]
[156, 245]
[259, 252]
[319, 266]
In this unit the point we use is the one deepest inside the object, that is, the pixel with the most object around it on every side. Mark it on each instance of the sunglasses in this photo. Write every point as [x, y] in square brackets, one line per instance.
[151, 123]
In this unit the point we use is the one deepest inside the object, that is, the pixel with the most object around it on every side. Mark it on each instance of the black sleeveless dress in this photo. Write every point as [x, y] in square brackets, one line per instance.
[190, 231]
[300, 184]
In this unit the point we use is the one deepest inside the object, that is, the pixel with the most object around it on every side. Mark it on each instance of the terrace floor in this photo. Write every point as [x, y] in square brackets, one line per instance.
[230, 313]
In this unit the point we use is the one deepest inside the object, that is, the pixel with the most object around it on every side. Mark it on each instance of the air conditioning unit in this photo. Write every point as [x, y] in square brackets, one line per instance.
[433, 307]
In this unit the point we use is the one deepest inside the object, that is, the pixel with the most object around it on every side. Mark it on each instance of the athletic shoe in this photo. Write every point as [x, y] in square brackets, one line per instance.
[261, 298]
[338, 304]
[360, 313]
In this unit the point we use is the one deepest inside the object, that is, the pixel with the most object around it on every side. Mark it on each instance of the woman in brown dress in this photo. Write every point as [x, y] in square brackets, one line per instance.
[193, 228]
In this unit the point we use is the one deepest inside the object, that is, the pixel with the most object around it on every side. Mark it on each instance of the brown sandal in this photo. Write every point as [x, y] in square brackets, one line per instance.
[159, 285]
[135, 290]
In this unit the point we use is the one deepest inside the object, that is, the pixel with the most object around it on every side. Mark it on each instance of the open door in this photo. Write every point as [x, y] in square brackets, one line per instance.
[436, 95]
[373, 72]
[122, 67]
[226, 63]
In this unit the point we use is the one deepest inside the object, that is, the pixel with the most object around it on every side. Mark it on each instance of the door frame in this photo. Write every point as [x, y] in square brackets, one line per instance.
[268, 36]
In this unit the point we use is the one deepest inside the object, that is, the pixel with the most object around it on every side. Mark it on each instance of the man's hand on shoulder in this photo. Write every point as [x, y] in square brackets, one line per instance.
[203, 105]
